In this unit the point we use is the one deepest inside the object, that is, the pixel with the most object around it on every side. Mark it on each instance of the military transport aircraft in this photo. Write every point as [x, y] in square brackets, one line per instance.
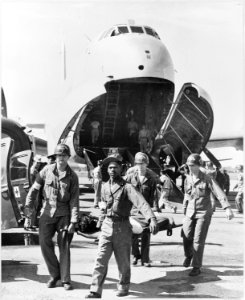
[129, 77]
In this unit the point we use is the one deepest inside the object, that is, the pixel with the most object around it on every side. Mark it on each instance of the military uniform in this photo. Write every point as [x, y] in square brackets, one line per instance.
[116, 231]
[239, 196]
[60, 208]
[148, 188]
[198, 212]
[97, 182]
[166, 189]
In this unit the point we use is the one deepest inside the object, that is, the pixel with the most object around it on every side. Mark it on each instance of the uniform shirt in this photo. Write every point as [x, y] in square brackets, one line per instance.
[166, 186]
[239, 184]
[148, 187]
[132, 127]
[144, 134]
[97, 173]
[120, 197]
[197, 200]
[60, 194]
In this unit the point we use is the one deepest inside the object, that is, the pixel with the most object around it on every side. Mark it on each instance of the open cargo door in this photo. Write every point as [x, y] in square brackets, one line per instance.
[189, 124]
[8, 206]
[20, 179]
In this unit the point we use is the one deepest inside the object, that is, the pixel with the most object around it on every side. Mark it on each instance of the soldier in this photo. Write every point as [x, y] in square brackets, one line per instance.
[144, 180]
[198, 212]
[118, 198]
[239, 187]
[166, 189]
[59, 214]
[95, 132]
[144, 138]
[97, 182]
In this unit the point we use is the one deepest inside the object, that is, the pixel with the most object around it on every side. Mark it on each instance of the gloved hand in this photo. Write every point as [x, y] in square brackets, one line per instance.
[153, 226]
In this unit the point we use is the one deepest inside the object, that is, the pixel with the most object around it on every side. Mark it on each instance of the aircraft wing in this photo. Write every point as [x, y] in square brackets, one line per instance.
[236, 142]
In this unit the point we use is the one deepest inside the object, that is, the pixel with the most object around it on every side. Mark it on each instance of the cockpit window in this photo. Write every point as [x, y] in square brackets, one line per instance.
[156, 35]
[150, 31]
[136, 29]
[119, 30]
[123, 29]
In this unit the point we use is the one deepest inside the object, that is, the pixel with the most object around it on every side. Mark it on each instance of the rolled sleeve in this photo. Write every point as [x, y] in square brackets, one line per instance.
[139, 201]
[33, 191]
[219, 194]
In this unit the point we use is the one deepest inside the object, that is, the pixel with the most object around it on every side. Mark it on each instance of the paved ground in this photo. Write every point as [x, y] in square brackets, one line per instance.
[24, 273]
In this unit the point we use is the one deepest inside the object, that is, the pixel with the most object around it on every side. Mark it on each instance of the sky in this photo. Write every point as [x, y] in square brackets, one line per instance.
[204, 38]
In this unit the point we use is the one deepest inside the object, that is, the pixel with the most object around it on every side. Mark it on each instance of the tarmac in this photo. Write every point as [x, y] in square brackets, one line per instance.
[24, 273]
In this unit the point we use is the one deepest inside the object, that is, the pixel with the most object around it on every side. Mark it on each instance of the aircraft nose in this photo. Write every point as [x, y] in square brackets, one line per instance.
[135, 56]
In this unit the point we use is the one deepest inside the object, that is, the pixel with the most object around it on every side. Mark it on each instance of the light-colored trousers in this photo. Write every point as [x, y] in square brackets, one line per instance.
[194, 233]
[116, 236]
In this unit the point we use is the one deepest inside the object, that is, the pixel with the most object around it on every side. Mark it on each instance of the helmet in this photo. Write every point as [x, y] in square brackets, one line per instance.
[141, 158]
[116, 157]
[62, 149]
[194, 159]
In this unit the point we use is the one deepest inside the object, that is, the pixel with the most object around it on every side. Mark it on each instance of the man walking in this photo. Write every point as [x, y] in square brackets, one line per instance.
[59, 214]
[239, 187]
[198, 212]
[118, 198]
[145, 182]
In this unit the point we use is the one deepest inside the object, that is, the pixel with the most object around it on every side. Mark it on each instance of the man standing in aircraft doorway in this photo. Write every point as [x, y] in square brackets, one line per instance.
[144, 138]
[59, 214]
[95, 131]
[118, 197]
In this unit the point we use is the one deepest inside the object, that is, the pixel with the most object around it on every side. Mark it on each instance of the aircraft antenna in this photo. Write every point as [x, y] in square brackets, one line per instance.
[64, 60]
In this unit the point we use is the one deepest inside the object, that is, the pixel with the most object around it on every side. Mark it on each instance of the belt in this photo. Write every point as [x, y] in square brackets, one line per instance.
[118, 218]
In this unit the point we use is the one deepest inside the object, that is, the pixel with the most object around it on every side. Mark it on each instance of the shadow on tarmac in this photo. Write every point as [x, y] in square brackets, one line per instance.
[178, 282]
[12, 270]
[173, 284]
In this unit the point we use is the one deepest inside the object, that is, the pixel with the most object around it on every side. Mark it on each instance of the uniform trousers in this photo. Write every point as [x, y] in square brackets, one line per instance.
[47, 228]
[116, 236]
[194, 233]
[142, 252]
[143, 144]
[239, 202]
[97, 191]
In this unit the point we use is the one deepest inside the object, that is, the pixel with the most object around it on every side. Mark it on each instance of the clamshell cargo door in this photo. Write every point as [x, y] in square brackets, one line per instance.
[189, 124]
[20, 179]
[8, 205]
